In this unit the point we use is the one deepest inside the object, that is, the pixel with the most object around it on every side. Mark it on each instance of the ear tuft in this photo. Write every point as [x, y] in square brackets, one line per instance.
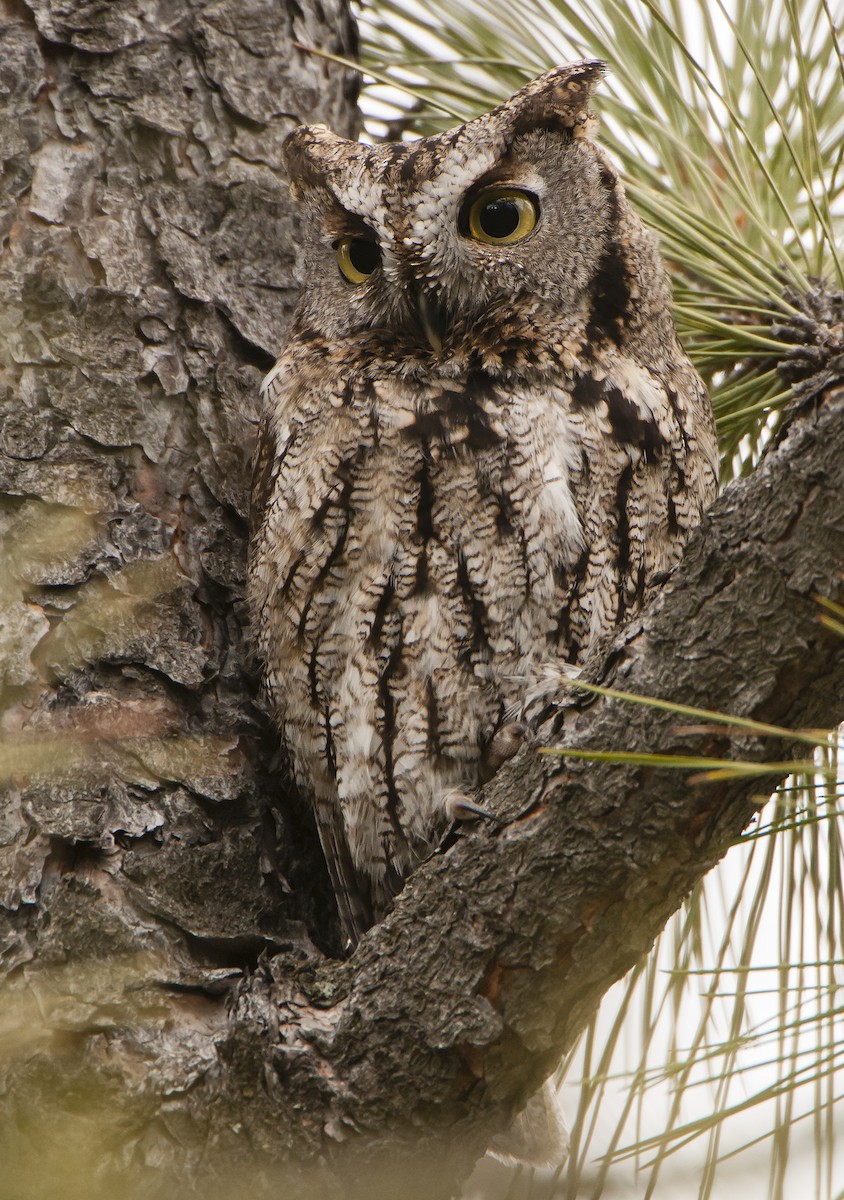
[312, 154]
[559, 99]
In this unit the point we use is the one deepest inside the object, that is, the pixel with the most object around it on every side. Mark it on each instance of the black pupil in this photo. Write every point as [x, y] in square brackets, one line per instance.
[363, 256]
[499, 218]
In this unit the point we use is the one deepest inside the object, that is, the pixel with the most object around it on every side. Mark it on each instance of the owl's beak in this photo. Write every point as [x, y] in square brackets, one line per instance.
[432, 318]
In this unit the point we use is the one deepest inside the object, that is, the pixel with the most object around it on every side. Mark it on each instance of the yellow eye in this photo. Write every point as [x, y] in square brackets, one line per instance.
[502, 215]
[357, 258]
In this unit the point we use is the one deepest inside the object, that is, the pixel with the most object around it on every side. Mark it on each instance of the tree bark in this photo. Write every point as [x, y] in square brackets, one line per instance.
[147, 244]
[169, 1022]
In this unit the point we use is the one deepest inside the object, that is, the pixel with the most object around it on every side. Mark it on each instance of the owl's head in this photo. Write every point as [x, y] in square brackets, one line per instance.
[487, 241]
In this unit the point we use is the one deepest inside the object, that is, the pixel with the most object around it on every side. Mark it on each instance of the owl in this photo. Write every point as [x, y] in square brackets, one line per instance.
[481, 446]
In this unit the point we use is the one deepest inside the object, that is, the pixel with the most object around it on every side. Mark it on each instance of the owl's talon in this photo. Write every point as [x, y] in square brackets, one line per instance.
[506, 743]
[460, 808]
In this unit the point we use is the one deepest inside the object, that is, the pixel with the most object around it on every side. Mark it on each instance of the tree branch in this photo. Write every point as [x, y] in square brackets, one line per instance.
[499, 949]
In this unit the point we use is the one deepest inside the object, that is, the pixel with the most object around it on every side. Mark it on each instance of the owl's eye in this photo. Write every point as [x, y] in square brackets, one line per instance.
[502, 215]
[358, 258]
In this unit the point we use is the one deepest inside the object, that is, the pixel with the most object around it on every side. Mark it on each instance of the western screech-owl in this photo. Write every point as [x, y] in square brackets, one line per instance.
[481, 445]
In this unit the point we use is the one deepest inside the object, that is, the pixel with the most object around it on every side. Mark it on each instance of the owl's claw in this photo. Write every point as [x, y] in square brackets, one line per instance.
[505, 744]
[460, 808]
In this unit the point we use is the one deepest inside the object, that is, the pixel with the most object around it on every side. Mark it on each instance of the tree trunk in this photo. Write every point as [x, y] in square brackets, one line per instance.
[169, 1023]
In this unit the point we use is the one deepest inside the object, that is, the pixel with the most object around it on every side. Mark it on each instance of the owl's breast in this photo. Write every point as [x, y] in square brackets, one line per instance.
[424, 530]
[495, 523]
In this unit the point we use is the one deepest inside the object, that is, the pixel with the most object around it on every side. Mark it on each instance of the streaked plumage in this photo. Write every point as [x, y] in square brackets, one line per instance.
[472, 461]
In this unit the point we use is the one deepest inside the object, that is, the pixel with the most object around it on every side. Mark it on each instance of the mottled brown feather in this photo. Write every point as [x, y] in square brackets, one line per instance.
[434, 524]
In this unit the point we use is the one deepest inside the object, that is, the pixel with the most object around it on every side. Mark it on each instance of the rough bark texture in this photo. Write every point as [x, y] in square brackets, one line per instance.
[147, 248]
[146, 260]
[169, 1024]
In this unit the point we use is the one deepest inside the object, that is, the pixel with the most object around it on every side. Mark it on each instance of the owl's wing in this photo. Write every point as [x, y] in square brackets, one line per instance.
[262, 473]
[351, 890]
[301, 515]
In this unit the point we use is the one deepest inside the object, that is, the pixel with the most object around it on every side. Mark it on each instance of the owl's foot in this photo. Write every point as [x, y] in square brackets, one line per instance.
[505, 744]
[460, 808]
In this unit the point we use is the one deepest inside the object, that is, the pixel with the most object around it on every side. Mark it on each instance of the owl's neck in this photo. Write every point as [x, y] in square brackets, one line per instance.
[527, 342]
